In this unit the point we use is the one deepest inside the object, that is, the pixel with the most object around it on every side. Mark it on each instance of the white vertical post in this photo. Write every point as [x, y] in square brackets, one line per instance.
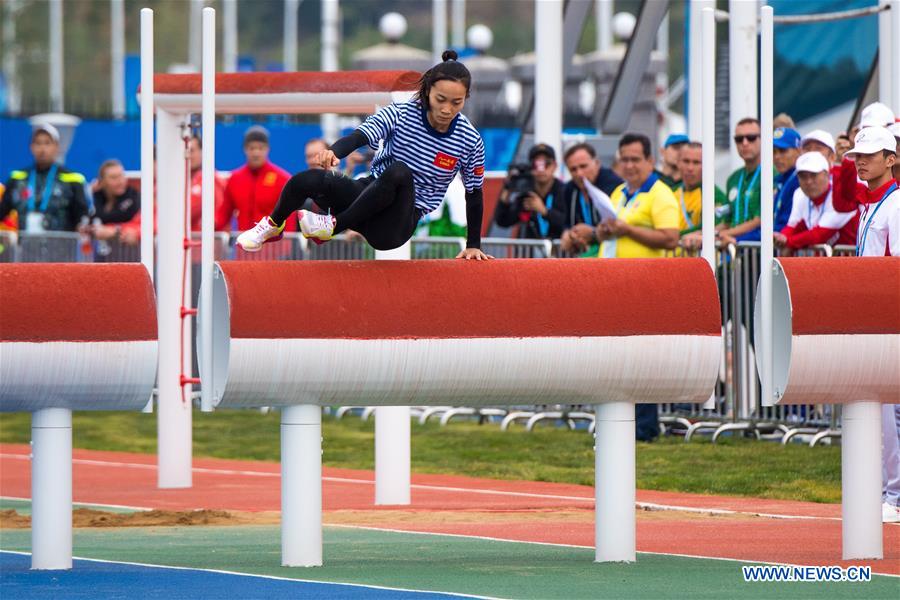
[301, 486]
[886, 52]
[548, 73]
[696, 53]
[194, 41]
[51, 489]
[392, 432]
[614, 482]
[230, 37]
[894, 36]
[707, 114]
[147, 195]
[662, 46]
[330, 42]
[208, 203]
[117, 57]
[56, 55]
[438, 28]
[10, 54]
[861, 481]
[174, 414]
[458, 23]
[767, 202]
[742, 66]
[603, 13]
[290, 35]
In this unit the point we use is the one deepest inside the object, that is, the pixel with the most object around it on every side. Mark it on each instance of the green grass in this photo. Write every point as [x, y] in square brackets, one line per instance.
[735, 466]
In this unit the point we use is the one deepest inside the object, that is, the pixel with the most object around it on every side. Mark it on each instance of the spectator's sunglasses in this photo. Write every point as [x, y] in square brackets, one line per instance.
[751, 137]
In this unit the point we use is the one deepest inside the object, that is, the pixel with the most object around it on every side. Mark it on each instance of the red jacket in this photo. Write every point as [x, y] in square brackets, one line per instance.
[197, 197]
[253, 194]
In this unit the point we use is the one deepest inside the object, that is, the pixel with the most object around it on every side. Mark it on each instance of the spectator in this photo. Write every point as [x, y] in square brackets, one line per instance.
[533, 199]
[813, 218]
[743, 186]
[819, 141]
[786, 142]
[46, 196]
[689, 194]
[115, 202]
[849, 192]
[195, 156]
[895, 131]
[668, 171]
[314, 148]
[581, 216]
[783, 120]
[11, 222]
[254, 188]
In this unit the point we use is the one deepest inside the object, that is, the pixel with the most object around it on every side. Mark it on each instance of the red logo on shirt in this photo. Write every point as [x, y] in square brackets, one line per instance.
[445, 161]
[479, 171]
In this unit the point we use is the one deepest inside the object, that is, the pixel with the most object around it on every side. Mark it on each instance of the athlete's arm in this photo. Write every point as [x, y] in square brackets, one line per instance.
[347, 144]
[474, 209]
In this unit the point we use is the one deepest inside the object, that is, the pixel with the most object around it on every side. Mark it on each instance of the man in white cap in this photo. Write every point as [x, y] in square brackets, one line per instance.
[813, 218]
[875, 153]
[46, 196]
[819, 141]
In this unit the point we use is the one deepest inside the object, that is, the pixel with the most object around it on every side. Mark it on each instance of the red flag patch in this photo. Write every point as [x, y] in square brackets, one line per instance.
[445, 161]
[479, 171]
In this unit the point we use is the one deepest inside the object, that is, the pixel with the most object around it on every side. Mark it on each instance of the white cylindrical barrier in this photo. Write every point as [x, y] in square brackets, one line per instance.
[392, 455]
[301, 486]
[51, 489]
[208, 200]
[767, 202]
[614, 486]
[861, 481]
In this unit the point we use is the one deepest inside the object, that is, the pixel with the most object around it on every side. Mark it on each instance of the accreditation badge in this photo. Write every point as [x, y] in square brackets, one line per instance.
[732, 194]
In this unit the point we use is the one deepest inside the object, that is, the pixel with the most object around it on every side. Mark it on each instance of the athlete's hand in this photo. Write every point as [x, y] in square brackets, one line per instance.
[474, 254]
[327, 159]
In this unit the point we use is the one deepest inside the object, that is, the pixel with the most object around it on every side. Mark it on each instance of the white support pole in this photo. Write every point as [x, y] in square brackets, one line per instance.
[603, 14]
[614, 482]
[10, 56]
[548, 73]
[147, 195]
[742, 38]
[696, 55]
[861, 528]
[767, 202]
[301, 486]
[662, 46]
[392, 432]
[194, 41]
[707, 114]
[895, 56]
[438, 29]
[174, 414]
[330, 43]
[117, 57]
[208, 203]
[51, 489]
[458, 23]
[290, 35]
[56, 56]
[886, 53]
[230, 36]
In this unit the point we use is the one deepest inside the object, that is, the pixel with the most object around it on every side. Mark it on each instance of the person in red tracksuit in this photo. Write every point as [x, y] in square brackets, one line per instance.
[253, 189]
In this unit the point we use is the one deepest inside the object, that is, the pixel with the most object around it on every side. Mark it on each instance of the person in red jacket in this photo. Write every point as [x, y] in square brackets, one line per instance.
[253, 189]
[195, 157]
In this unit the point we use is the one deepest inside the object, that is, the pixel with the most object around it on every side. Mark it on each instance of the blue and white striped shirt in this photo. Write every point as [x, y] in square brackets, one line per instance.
[434, 157]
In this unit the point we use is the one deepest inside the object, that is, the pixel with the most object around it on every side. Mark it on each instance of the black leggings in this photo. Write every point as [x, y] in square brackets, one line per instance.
[383, 209]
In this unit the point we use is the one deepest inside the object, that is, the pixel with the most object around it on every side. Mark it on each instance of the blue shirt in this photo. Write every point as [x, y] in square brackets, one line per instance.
[434, 157]
[785, 185]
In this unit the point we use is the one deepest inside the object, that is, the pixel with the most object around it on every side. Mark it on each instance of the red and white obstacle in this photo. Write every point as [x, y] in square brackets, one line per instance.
[73, 337]
[301, 335]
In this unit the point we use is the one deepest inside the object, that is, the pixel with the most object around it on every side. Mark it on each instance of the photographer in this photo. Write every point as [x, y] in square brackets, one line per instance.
[532, 196]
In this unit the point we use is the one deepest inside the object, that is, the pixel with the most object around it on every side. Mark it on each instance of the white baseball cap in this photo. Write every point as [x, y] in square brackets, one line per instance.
[47, 128]
[873, 139]
[812, 162]
[876, 115]
[819, 135]
[894, 129]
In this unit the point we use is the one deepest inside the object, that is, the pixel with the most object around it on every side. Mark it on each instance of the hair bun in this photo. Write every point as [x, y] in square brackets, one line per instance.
[449, 55]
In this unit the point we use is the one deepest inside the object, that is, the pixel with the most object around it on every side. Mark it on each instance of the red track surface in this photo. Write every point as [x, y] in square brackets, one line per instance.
[812, 537]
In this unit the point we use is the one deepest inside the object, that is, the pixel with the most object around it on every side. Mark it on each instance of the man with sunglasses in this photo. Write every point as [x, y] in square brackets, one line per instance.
[743, 187]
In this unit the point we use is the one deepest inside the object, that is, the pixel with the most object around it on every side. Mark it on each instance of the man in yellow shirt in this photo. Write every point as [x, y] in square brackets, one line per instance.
[647, 222]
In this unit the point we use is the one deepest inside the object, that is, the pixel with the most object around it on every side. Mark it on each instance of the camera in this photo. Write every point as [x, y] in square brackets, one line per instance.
[520, 181]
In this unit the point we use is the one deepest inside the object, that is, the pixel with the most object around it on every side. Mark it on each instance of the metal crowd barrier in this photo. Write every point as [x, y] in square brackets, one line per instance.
[733, 409]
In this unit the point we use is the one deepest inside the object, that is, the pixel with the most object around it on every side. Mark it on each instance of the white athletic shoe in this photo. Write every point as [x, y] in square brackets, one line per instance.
[315, 226]
[890, 513]
[264, 231]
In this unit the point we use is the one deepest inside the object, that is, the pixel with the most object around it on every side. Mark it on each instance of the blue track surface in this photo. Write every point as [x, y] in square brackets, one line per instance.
[91, 579]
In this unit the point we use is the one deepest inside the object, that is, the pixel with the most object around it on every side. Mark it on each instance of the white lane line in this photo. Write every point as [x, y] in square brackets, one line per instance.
[87, 504]
[439, 488]
[273, 577]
